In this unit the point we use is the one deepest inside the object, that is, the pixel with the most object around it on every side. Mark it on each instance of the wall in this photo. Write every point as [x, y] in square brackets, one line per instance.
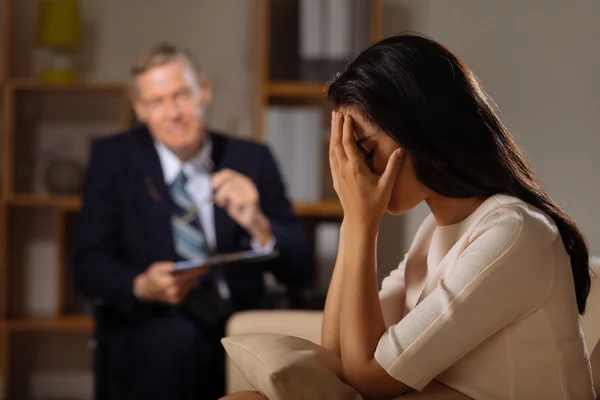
[219, 32]
[539, 61]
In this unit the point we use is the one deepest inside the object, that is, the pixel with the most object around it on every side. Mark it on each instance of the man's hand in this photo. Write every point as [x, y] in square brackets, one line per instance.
[239, 196]
[157, 283]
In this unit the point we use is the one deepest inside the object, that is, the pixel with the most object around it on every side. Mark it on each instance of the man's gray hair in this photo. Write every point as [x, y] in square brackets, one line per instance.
[157, 55]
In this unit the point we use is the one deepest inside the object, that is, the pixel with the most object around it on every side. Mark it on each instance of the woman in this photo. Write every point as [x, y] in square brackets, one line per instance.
[487, 299]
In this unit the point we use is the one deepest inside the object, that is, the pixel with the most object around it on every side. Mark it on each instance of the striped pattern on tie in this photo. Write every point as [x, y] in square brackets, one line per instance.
[189, 239]
[190, 242]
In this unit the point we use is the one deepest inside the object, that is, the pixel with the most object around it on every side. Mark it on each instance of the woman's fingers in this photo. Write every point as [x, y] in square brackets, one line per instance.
[348, 140]
[391, 170]
[336, 149]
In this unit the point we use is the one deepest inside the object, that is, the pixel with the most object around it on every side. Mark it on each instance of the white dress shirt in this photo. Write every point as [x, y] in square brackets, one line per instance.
[198, 173]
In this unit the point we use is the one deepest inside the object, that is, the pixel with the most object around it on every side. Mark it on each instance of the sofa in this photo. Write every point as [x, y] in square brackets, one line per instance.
[307, 325]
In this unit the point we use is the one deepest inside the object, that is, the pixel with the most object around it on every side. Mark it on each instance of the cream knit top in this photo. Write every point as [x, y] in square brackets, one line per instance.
[487, 307]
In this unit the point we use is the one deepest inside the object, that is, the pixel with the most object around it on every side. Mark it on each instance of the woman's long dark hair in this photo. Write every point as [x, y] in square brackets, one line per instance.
[431, 103]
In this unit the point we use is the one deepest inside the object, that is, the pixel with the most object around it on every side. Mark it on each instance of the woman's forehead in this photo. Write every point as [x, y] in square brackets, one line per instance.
[362, 128]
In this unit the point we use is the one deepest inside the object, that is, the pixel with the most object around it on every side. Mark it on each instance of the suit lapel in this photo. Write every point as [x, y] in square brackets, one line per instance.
[152, 194]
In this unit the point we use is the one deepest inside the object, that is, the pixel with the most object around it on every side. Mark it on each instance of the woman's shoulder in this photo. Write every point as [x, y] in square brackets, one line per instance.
[514, 220]
[504, 220]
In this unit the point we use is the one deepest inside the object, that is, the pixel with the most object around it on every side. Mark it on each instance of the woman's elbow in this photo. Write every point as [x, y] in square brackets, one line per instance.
[355, 376]
[370, 384]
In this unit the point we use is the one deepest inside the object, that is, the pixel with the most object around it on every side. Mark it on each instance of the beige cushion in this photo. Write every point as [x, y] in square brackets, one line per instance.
[300, 323]
[304, 324]
[286, 367]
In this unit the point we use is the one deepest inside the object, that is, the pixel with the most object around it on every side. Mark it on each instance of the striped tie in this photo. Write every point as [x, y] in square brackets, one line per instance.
[189, 239]
[190, 243]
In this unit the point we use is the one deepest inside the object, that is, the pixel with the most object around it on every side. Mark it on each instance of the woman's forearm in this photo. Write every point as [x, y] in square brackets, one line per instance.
[361, 319]
[330, 331]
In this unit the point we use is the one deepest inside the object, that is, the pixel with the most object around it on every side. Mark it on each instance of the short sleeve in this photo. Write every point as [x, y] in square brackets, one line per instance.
[392, 295]
[503, 274]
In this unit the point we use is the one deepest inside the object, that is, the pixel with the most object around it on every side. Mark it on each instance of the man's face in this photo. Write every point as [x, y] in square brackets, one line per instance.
[169, 101]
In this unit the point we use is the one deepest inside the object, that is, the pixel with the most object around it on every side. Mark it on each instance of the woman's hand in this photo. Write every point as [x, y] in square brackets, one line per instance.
[363, 195]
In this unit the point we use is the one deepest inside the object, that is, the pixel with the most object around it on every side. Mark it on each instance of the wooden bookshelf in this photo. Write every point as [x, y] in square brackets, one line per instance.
[31, 200]
[28, 107]
[51, 324]
[291, 89]
[273, 91]
[325, 208]
[281, 82]
[5, 29]
[296, 90]
[5, 45]
[33, 85]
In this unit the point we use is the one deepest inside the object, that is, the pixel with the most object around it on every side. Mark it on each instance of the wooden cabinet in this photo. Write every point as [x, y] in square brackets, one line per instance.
[40, 312]
[280, 82]
[43, 322]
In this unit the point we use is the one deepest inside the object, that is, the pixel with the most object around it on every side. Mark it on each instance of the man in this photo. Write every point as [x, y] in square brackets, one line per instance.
[167, 191]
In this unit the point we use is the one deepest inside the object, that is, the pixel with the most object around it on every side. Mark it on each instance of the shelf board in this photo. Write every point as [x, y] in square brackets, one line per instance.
[76, 323]
[33, 85]
[291, 89]
[325, 208]
[36, 200]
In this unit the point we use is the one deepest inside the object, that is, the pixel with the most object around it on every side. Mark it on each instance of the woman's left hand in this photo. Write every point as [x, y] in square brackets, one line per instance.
[363, 195]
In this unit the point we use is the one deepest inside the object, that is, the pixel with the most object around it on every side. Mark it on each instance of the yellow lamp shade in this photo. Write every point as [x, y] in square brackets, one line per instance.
[58, 23]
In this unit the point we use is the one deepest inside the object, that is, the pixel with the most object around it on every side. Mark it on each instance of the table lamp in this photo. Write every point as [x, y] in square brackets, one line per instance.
[59, 30]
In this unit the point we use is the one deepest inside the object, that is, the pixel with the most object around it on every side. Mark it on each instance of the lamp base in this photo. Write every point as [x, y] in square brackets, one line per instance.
[58, 68]
[58, 76]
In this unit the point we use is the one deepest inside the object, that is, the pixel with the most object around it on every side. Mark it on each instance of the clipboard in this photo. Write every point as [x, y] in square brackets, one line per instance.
[224, 259]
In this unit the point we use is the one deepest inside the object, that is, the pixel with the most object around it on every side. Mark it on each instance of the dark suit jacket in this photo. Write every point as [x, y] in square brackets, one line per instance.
[125, 225]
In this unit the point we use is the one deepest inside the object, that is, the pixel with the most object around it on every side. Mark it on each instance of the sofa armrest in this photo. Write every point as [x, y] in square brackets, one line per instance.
[299, 323]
